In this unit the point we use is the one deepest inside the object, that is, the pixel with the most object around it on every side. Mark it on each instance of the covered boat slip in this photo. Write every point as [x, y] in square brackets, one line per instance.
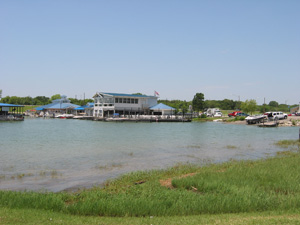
[10, 112]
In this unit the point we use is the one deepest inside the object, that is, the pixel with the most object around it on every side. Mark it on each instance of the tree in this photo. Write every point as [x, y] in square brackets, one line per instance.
[53, 97]
[273, 104]
[198, 102]
[41, 100]
[249, 106]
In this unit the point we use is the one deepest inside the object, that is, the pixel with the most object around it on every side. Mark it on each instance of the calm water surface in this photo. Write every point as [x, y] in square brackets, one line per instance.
[60, 154]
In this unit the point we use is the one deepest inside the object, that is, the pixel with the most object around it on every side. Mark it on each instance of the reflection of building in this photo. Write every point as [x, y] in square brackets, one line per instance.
[58, 106]
[109, 104]
[11, 112]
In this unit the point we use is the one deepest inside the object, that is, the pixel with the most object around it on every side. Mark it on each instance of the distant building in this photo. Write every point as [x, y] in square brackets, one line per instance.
[162, 109]
[295, 109]
[58, 106]
[11, 112]
[110, 104]
[86, 110]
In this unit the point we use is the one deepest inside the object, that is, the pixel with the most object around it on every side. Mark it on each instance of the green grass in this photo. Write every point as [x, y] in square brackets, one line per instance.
[231, 192]
[29, 216]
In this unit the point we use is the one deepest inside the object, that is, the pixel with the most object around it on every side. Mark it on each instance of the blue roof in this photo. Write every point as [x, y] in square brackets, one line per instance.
[162, 106]
[56, 105]
[87, 106]
[125, 95]
[10, 105]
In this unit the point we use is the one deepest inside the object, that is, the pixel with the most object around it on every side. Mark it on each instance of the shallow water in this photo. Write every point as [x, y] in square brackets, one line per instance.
[60, 154]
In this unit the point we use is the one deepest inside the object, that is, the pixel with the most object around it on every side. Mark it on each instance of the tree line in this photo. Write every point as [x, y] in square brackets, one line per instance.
[198, 104]
[40, 100]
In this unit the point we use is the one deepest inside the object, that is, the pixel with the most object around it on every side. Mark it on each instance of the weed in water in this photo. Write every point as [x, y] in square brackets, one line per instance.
[288, 143]
[54, 174]
[193, 146]
[20, 176]
[231, 147]
[43, 173]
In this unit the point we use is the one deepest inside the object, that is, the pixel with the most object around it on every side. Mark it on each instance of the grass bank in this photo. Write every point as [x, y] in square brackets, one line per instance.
[234, 191]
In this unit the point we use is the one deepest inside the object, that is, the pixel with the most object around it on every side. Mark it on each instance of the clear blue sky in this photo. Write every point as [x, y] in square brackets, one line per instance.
[223, 48]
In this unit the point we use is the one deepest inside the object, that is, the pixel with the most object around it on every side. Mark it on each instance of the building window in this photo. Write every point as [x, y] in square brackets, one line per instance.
[136, 101]
[132, 101]
[128, 100]
[120, 100]
[116, 100]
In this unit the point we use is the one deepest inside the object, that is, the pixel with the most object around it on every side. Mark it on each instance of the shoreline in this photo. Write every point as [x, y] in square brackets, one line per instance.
[291, 121]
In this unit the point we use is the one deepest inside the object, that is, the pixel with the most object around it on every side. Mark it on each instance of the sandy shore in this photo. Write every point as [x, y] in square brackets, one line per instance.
[289, 122]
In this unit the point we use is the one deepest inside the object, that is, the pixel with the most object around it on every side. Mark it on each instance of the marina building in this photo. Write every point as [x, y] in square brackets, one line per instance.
[11, 112]
[58, 106]
[114, 104]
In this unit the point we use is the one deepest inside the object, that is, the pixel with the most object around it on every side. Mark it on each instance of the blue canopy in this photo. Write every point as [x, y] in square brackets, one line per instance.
[10, 105]
[162, 106]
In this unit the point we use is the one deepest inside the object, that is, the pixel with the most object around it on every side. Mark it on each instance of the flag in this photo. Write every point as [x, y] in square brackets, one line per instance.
[156, 93]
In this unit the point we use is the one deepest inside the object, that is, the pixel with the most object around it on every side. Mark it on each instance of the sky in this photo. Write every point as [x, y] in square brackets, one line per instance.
[225, 49]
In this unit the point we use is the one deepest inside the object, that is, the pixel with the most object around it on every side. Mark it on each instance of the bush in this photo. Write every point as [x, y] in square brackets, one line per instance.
[203, 116]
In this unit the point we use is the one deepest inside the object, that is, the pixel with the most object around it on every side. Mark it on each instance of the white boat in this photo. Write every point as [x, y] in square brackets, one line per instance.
[65, 116]
[255, 119]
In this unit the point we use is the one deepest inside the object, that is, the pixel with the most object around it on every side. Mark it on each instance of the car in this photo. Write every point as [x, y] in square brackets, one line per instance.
[233, 113]
[217, 114]
[276, 115]
[242, 114]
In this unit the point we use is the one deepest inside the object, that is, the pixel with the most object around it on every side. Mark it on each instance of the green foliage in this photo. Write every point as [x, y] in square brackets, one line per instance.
[138, 93]
[39, 100]
[54, 97]
[80, 101]
[225, 104]
[249, 106]
[273, 104]
[198, 102]
[179, 105]
[203, 116]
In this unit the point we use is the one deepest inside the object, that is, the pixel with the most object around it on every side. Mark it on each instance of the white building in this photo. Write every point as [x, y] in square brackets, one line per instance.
[110, 104]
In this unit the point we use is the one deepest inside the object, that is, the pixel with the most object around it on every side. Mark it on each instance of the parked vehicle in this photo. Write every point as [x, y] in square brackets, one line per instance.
[217, 114]
[276, 115]
[213, 112]
[242, 114]
[233, 113]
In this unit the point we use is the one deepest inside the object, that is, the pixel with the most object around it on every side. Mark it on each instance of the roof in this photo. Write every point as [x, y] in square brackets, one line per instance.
[126, 95]
[56, 105]
[162, 106]
[89, 105]
[10, 105]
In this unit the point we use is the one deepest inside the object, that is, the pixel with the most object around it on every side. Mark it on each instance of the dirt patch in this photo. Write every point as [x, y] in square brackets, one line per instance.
[168, 182]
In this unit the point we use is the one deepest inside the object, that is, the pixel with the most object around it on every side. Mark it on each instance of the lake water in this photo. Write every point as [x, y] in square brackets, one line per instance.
[60, 154]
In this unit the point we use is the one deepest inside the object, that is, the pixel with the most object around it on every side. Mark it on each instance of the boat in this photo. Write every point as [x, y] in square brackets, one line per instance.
[65, 116]
[255, 119]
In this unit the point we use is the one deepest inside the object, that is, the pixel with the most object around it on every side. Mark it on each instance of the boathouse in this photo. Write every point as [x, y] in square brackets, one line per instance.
[58, 106]
[11, 112]
[162, 109]
[112, 104]
[86, 110]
